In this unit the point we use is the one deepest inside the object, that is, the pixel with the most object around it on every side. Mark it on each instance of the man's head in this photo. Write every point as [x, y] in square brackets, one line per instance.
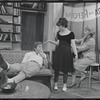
[38, 47]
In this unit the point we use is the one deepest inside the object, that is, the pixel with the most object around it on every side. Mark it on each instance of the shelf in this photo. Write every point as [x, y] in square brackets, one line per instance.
[16, 32]
[5, 41]
[16, 15]
[10, 40]
[5, 32]
[17, 24]
[16, 41]
[10, 24]
[9, 15]
[10, 32]
[38, 10]
[6, 23]
[6, 14]
[6, 5]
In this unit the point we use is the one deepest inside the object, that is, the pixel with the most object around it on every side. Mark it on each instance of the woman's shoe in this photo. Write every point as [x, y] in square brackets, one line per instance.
[55, 88]
[64, 89]
[78, 84]
[72, 85]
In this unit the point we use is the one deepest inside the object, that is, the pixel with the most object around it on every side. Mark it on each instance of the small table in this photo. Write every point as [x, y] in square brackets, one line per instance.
[36, 90]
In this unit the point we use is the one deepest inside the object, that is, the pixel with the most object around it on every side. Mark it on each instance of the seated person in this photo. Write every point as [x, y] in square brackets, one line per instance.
[31, 65]
[87, 50]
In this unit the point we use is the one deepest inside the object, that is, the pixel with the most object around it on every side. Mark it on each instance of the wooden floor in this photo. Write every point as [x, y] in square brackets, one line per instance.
[77, 92]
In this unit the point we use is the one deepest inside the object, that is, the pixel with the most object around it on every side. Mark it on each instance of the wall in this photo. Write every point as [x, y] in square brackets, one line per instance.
[54, 12]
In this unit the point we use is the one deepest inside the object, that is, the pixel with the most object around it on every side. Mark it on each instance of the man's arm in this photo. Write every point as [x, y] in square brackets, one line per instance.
[25, 57]
[45, 60]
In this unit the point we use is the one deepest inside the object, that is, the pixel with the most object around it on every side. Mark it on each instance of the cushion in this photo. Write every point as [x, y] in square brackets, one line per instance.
[45, 72]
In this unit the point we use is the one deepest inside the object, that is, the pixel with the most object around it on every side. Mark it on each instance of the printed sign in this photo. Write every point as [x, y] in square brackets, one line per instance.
[77, 14]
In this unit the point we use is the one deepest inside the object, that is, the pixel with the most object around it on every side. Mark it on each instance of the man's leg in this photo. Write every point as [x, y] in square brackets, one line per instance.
[18, 78]
[14, 68]
[11, 67]
[28, 69]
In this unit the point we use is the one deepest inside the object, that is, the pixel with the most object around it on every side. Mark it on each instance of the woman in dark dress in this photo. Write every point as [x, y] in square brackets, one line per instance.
[63, 59]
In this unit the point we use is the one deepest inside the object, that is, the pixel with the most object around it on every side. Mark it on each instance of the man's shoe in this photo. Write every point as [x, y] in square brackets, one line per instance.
[8, 87]
[3, 64]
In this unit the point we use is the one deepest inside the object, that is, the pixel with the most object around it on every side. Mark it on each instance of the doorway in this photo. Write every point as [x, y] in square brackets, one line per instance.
[32, 29]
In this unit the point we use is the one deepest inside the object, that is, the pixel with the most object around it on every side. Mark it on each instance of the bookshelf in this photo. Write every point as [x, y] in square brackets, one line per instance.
[10, 22]
[10, 26]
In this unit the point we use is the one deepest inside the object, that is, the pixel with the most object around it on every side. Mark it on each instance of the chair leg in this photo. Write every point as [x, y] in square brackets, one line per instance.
[98, 73]
[90, 77]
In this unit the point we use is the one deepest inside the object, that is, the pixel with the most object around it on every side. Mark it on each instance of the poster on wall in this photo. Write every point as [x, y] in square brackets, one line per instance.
[78, 14]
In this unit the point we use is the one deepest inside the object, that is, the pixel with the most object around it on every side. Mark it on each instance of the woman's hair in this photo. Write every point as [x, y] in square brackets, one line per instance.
[90, 30]
[36, 44]
[63, 22]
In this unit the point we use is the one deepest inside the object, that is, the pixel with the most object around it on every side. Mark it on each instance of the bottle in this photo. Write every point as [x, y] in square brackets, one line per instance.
[27, 88]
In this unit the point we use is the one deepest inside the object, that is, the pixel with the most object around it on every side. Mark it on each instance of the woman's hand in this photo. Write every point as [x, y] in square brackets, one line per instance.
[77, 49]
[76, 57]
[47, 41]
[52, 42]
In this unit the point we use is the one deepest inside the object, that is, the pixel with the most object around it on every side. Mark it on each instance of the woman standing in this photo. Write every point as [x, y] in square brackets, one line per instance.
[63, 59]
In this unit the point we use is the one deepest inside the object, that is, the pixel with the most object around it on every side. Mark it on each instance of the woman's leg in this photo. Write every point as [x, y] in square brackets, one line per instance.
[56, 76]
[73, 79]
[83, 76]
[65, 76]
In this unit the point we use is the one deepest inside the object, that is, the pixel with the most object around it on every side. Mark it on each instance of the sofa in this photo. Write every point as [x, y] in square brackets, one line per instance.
[44, 76]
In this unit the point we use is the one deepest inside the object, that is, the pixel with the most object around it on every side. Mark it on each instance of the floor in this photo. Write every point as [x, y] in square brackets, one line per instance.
[75, 92]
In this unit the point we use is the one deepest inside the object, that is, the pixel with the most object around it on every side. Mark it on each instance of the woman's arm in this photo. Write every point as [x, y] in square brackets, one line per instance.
[73, 45]
[78, 41]
[86, 46]
[52, 42]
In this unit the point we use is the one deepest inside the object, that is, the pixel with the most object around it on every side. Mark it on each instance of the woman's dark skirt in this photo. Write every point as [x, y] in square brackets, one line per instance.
[63, 58]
